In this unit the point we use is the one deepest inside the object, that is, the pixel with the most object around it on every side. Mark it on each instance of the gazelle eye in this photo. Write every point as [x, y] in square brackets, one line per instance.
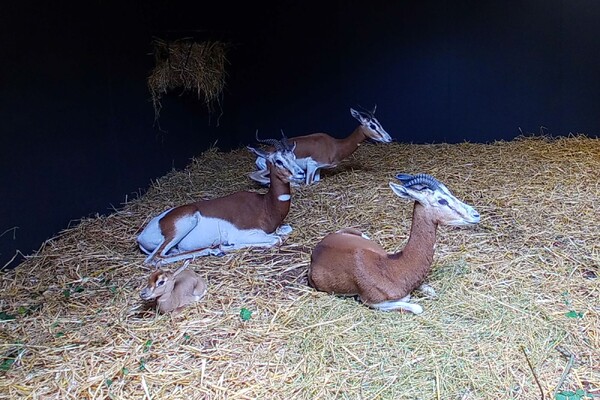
[443, 202]
[160, 283]
[373, 127]
[279, 162]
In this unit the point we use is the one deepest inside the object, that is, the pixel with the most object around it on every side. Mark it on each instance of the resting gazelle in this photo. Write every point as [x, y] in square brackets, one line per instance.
[348, 263]
[241, 219]
[320, 150]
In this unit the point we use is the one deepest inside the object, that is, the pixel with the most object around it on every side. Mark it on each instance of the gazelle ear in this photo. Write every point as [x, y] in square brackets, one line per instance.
[182, 268]
[406, 193]
[400, 190]
[258, 152]
[356, 114]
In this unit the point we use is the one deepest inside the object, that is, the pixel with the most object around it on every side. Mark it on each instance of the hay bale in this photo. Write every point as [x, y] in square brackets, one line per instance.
[525, 279]
[188, 66]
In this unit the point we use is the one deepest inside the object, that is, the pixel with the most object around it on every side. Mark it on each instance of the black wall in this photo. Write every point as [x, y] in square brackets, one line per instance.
[77, 125]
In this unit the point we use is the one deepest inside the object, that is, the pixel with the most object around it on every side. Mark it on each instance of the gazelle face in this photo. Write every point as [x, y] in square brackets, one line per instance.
[450, 210]
[157, 285]
[285, 162]
[373, 128]
[444, 207]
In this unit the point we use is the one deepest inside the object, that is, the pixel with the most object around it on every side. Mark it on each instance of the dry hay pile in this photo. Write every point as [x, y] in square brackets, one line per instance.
[520, 286]
[188, 66]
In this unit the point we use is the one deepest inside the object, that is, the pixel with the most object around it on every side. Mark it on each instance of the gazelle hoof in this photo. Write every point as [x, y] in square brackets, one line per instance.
[284, 230]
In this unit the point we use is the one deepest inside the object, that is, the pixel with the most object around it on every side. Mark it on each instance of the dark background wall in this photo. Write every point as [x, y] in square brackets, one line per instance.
[77, 132]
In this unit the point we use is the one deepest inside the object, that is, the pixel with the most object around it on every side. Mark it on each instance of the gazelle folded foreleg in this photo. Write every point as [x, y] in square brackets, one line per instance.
[402, 304]
[252, 238]
[427, 290]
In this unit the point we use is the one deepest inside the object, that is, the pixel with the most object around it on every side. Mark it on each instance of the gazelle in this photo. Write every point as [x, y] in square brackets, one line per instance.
[320, 150]
[241, 219]
[349, 263]
[174, 290]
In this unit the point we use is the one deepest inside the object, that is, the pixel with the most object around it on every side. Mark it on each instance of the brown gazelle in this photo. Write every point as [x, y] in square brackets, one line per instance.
[241, 219]
[173, 291]
[320, 150]
[349, 263]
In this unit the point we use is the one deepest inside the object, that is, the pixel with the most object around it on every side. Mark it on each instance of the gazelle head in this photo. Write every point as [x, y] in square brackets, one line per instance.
[282, 156]
[161, 282]
[373, 128]
[444, 208]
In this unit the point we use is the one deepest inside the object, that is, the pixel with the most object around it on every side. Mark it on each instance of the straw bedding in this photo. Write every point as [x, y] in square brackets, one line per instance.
[520, 287]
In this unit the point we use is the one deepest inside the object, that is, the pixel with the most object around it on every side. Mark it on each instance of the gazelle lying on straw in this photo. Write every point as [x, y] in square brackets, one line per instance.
[320, 150]
[173, 291]
[241, 219]
[348, 263]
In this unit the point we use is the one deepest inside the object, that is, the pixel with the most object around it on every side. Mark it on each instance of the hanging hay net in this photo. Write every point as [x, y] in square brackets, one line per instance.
[520, 286]
[188, 66]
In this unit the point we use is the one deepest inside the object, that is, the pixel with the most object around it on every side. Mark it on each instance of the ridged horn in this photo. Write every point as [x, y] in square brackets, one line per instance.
[370, 113]
[419, 179]
[271, 142]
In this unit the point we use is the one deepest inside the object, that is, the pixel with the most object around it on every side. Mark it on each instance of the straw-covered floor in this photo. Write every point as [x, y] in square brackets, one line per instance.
[521, 287]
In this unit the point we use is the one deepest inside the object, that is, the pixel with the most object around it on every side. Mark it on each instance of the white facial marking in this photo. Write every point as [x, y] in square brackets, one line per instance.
[284, 197]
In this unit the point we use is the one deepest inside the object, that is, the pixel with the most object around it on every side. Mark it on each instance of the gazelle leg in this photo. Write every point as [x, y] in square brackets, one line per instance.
[270, 241]
[191, 299]
[185, 255]
[311, 170]
[317, 175]
[148, 260]
[261, 163]
[183, 228]
[283, 230]
[402, 304]
[200, 290]
[161, 250]
[251, 238]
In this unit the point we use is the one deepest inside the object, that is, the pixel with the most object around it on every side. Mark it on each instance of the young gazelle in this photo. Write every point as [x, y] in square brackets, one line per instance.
[241, 219]
[319, 150]
[348, 263]
[174, 291]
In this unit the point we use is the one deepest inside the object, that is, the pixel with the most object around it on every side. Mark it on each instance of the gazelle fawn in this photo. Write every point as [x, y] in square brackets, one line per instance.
[241, 219]
[174, 290]
[348, 263]
[320, 150]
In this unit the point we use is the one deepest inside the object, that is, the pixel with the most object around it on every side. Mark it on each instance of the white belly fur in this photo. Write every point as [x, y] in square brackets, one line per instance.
[215, 231]
[198, 232]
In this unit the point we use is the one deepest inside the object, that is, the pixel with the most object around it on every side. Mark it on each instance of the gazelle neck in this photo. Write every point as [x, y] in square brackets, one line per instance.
[349, 144]
[417, 255]
[278, 198]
